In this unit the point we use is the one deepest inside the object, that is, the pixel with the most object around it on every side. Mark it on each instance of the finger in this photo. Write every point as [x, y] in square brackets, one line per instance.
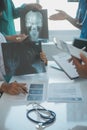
[37, 6]
[23, 90]
[58, 10]
[76, 63]
[84, 58]
[21, 84]
[17, 91]
[13, 91]
[14, 85]
[23, 87]
[70, 60]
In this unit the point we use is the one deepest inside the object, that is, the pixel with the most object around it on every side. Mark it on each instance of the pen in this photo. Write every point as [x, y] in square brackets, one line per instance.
[56, 68]
[25, 90]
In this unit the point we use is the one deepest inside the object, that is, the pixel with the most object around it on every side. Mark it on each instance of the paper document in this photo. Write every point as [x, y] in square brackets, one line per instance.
[62, 59]
[36, 92]
[53, 92]
[64, 92]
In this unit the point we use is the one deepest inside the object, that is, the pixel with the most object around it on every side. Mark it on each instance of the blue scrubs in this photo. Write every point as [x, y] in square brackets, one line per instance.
[82, 16]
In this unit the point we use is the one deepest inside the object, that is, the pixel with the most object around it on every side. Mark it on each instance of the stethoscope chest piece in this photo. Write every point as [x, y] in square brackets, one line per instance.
[39, 126]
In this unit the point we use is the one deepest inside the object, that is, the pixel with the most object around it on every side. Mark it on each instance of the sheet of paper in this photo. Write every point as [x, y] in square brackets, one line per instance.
[62, 60]
[64, 92]
[36, 92]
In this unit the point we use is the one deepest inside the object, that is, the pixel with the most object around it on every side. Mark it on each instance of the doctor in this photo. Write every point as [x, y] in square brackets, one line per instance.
[81, 18]
[13, 88]
[10, 88]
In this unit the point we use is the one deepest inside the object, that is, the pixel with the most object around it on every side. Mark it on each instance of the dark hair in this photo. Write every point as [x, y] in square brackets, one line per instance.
[2, 5]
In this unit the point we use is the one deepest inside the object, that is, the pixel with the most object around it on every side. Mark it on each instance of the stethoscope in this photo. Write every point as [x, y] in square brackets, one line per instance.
[41, 116]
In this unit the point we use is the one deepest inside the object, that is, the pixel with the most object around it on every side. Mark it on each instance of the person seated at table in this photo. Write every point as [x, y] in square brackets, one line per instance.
[10, 88]
[13, 88]
[81, 65]
[80, 21]
[19, 37]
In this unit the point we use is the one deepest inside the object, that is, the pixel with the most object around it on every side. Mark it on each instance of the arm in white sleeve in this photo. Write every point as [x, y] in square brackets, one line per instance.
[1, 82]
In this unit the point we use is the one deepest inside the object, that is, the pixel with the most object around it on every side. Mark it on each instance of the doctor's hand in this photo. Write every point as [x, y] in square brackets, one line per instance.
[81, 65]
[14, 88]
[33, 6]
[43, 58]
[61, 15]
[16, 38]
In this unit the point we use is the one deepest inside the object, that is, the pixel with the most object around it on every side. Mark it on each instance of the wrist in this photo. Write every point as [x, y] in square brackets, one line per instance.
[67, 17]
[8, 38]
[4, 87]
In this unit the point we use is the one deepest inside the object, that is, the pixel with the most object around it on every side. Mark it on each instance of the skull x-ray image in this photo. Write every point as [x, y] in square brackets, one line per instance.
[34, 23]
[23, 58]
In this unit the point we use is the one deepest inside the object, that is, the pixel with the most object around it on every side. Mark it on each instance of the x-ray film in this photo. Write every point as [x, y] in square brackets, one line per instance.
[34, 23]
[22, 58]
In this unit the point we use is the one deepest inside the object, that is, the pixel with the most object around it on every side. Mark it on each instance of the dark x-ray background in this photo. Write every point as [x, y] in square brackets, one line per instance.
[22, 58]
[44, 36]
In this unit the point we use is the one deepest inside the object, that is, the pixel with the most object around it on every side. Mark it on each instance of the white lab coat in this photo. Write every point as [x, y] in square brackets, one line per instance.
[2, 70]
